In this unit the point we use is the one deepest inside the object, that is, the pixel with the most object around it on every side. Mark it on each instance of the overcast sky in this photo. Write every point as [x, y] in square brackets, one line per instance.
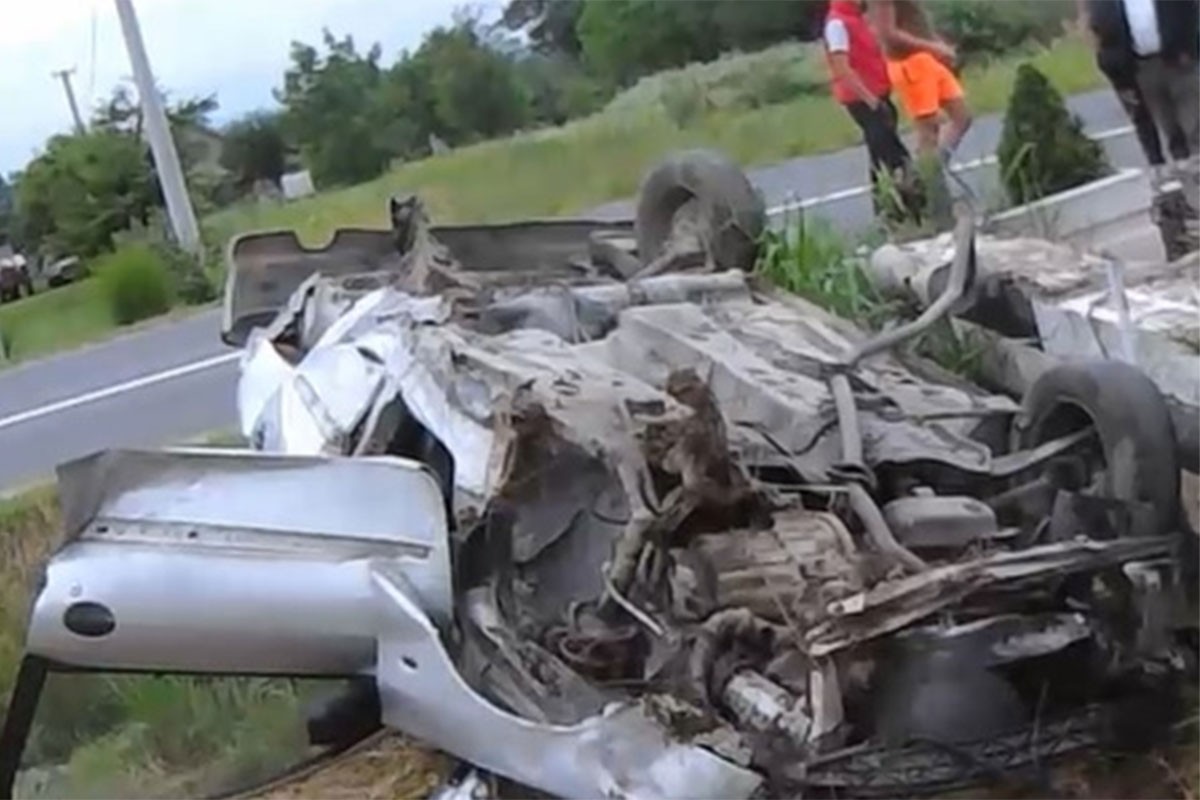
[236, 48]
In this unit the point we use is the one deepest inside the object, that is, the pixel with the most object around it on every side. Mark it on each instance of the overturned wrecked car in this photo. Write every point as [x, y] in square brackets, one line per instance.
[588, 507]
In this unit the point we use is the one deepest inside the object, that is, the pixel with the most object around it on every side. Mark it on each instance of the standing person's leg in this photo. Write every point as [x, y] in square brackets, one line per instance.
[1183, 80]
[895, 153]
[1160, 93]
[1173, 93]
[1183, 86]
[1177, 144]
[953, 104]
[917, 82]
[868, 122]
[884, 146]
[1134, 103]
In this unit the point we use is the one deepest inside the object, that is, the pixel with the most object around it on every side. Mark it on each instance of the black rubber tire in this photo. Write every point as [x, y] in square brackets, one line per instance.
[1134, 425]
[731, 209]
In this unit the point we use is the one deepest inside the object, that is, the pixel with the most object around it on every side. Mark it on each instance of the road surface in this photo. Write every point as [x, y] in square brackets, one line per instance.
[176, 380]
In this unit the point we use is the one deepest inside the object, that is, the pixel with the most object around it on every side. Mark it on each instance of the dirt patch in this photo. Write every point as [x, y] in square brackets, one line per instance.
[387, 766]
[1189, 491]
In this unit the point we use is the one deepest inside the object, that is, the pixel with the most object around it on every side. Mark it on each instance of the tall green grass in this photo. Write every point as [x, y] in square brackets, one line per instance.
[812, 260]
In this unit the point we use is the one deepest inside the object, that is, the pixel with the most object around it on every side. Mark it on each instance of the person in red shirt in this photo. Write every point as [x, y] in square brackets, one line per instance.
[860, 83]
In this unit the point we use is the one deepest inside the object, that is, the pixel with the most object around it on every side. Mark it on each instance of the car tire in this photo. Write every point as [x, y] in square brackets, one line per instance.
[1134, 425]
[731, 211]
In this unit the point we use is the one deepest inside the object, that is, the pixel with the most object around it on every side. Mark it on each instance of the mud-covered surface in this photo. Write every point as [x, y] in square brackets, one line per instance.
[386, 766]
[392, 767]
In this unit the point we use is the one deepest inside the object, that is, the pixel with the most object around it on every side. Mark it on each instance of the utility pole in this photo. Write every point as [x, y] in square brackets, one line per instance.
[162, 146]
[64, 75]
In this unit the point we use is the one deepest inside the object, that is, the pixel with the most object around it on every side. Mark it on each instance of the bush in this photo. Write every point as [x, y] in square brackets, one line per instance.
[981, 29]
[136, 283]
[1043, 148]
[189, 281]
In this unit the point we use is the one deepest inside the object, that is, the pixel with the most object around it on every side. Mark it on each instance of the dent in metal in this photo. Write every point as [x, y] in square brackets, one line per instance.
[622, 753]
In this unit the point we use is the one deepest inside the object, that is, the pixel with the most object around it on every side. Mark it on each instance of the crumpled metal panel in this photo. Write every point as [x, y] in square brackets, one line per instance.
[622, 753]
[313, 407]
[765, 363]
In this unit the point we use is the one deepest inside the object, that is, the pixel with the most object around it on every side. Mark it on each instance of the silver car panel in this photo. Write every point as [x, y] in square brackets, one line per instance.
[237, 561]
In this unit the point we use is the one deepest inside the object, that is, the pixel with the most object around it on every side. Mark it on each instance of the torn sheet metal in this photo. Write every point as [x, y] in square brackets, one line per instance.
[890, 605]
[623, 753]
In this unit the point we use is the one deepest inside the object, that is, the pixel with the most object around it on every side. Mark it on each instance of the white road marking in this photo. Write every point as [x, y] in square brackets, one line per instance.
[855, 191]
[119, 388]
[216, 361]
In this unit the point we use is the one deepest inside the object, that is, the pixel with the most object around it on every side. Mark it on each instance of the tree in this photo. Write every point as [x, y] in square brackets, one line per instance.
[754, 24]
[1043, 148]
[332, 110]
[254, 149]
[624, 39]
[474, 89]
[74, 197]
[122, 112]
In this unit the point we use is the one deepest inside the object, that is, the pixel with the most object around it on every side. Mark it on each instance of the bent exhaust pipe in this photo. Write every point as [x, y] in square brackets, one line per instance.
[962, 276]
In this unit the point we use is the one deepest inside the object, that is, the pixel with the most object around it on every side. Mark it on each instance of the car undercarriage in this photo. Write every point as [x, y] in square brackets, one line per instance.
[591, 508]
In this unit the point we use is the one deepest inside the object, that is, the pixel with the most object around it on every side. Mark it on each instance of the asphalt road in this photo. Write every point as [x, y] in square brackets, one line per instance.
[176, 380]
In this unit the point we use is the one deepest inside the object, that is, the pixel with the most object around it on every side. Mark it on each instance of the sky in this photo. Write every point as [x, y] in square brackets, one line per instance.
[235, 48]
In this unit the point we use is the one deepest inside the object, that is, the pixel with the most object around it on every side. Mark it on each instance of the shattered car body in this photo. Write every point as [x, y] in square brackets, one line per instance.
[599, 513]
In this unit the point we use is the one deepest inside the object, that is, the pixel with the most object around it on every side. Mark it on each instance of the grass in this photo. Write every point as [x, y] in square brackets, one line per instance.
[99, 736]
[811, 259]
[605, 155]
[759, 108]
[61, 319]
[56, 319]
[135, 736]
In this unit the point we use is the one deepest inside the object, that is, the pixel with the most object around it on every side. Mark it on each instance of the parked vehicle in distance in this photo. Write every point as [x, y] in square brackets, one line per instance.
[14, 277]
[62, 271]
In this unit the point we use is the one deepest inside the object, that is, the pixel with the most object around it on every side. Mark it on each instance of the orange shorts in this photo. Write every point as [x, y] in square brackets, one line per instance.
[923, 84]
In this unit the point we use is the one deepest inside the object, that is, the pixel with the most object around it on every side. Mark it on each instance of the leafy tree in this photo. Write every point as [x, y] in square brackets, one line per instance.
[984, 30]
[474, 89]
[754, 24]
[74, 197]
[122, 113]
[254, 149]
[331, 110]
[1043, 148]
[623, 39]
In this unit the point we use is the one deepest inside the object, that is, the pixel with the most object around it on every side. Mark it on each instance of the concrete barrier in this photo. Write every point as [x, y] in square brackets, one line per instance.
[850, 211]
[1107, 214]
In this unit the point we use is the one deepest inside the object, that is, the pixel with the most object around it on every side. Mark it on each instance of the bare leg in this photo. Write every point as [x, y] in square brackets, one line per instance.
[929, 167]
[926, 129]
[959, 121]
